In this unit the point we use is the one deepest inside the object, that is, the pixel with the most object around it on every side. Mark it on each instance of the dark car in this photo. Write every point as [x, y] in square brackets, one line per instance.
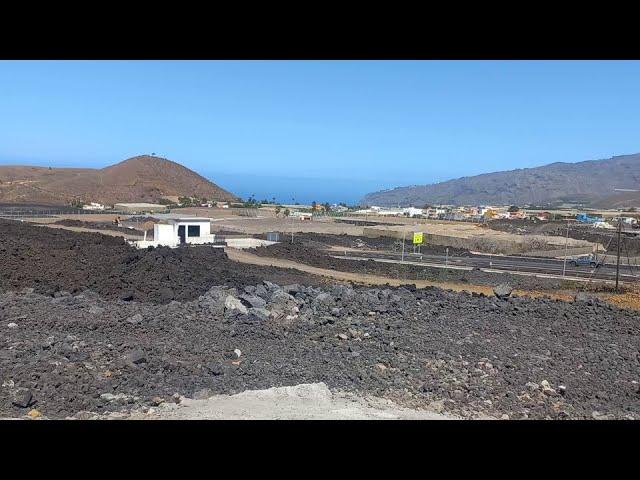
[582, 261]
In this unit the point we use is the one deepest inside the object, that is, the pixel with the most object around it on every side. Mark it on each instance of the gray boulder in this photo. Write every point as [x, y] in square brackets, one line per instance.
[323, 299]
[22, 398]
[292, 289]
[502, 291]
[282, 305]
[136, 357]
[261, 291]
[271, 287]
[280, 297]
[252, 301]
[214, 299]
[233, 304]
[135, 319]
[260, 314]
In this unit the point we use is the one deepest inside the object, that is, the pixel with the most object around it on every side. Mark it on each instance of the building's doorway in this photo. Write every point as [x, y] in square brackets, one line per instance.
[181, 233]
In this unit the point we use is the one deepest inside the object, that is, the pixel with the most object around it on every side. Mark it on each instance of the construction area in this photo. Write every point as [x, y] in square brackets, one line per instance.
[126, 319]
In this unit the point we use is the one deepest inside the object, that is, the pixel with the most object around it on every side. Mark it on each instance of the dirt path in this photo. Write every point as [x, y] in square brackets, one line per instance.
[111, 233]
[367, 279]
[312, 401]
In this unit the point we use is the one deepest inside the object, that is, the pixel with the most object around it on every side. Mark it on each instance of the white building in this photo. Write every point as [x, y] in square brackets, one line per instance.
[93, 206]
[412, 212]
[175, 231]
[301, 215]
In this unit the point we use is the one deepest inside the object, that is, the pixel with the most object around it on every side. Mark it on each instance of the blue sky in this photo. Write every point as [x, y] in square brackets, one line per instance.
[320, 130]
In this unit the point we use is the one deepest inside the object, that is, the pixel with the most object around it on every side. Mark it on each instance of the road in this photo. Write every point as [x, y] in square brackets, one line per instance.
[542, 266]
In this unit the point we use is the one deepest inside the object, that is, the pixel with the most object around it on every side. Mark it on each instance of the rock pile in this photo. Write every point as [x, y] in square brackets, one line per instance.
[461, 353]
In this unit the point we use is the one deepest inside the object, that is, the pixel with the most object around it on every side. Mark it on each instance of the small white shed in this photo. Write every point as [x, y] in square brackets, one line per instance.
[175, 231]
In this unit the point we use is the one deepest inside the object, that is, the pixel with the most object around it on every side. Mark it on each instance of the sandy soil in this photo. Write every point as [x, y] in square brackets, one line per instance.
[313, 401]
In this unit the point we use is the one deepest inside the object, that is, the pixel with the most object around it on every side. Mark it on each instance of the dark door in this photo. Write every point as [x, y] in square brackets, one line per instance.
[181, 233]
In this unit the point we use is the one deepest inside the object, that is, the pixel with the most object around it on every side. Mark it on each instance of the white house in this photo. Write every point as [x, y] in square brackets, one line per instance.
[301, 215]
[175, 231]
[93, 206]
[412, 212]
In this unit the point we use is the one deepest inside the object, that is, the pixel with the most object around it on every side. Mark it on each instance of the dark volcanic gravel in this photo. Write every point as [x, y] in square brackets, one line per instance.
[527, 358]
[51, 260]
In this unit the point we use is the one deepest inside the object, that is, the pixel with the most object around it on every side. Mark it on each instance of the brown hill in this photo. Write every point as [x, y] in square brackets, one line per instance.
[143, 178]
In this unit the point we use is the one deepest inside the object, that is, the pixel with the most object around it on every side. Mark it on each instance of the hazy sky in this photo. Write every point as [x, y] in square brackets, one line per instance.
[269, 127]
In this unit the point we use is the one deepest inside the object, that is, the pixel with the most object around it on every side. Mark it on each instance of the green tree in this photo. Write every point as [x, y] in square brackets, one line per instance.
[286, 212]
[278, 209]
[513, 208]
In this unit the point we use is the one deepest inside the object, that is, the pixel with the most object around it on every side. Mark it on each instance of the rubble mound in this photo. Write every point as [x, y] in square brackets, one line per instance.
[468, 355]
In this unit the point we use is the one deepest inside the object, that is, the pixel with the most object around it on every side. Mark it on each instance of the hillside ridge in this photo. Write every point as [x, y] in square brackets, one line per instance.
[590, 182]
[143, 178]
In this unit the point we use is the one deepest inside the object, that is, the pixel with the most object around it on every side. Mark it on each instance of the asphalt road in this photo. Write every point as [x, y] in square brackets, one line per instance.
[547, 266]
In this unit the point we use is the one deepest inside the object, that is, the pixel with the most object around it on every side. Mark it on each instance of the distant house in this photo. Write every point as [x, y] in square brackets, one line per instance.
[140, 207]
[93, 206]
[301, 215]
[412, 212]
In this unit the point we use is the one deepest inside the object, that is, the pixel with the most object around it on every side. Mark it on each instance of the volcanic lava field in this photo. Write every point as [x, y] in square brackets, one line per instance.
[90, 324]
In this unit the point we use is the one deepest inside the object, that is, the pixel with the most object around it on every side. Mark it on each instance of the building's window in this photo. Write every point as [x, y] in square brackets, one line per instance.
[194, 231]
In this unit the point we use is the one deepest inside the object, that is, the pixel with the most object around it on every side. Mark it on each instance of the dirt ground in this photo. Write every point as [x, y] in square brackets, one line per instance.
[98, 226]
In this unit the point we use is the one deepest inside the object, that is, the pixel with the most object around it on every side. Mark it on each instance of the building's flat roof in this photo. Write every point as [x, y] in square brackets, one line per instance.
[179, 218]
[191, 219]
[141, 205]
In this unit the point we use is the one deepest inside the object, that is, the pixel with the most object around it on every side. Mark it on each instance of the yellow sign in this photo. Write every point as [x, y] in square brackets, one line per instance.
[417, 238]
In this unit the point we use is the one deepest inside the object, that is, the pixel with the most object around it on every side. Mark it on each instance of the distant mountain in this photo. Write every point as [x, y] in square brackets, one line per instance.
[591, 183]
[139, 179]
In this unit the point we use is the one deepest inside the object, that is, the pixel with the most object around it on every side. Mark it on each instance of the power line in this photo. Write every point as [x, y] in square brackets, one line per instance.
[618, 254]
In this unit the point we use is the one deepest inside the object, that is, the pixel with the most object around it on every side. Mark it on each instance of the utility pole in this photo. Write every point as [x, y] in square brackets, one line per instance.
[566, 244]
[403, 235]
[618, 255]
[293, 200]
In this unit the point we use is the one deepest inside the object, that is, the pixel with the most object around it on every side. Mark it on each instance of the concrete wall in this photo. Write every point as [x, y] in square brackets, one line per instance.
[164, 234]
